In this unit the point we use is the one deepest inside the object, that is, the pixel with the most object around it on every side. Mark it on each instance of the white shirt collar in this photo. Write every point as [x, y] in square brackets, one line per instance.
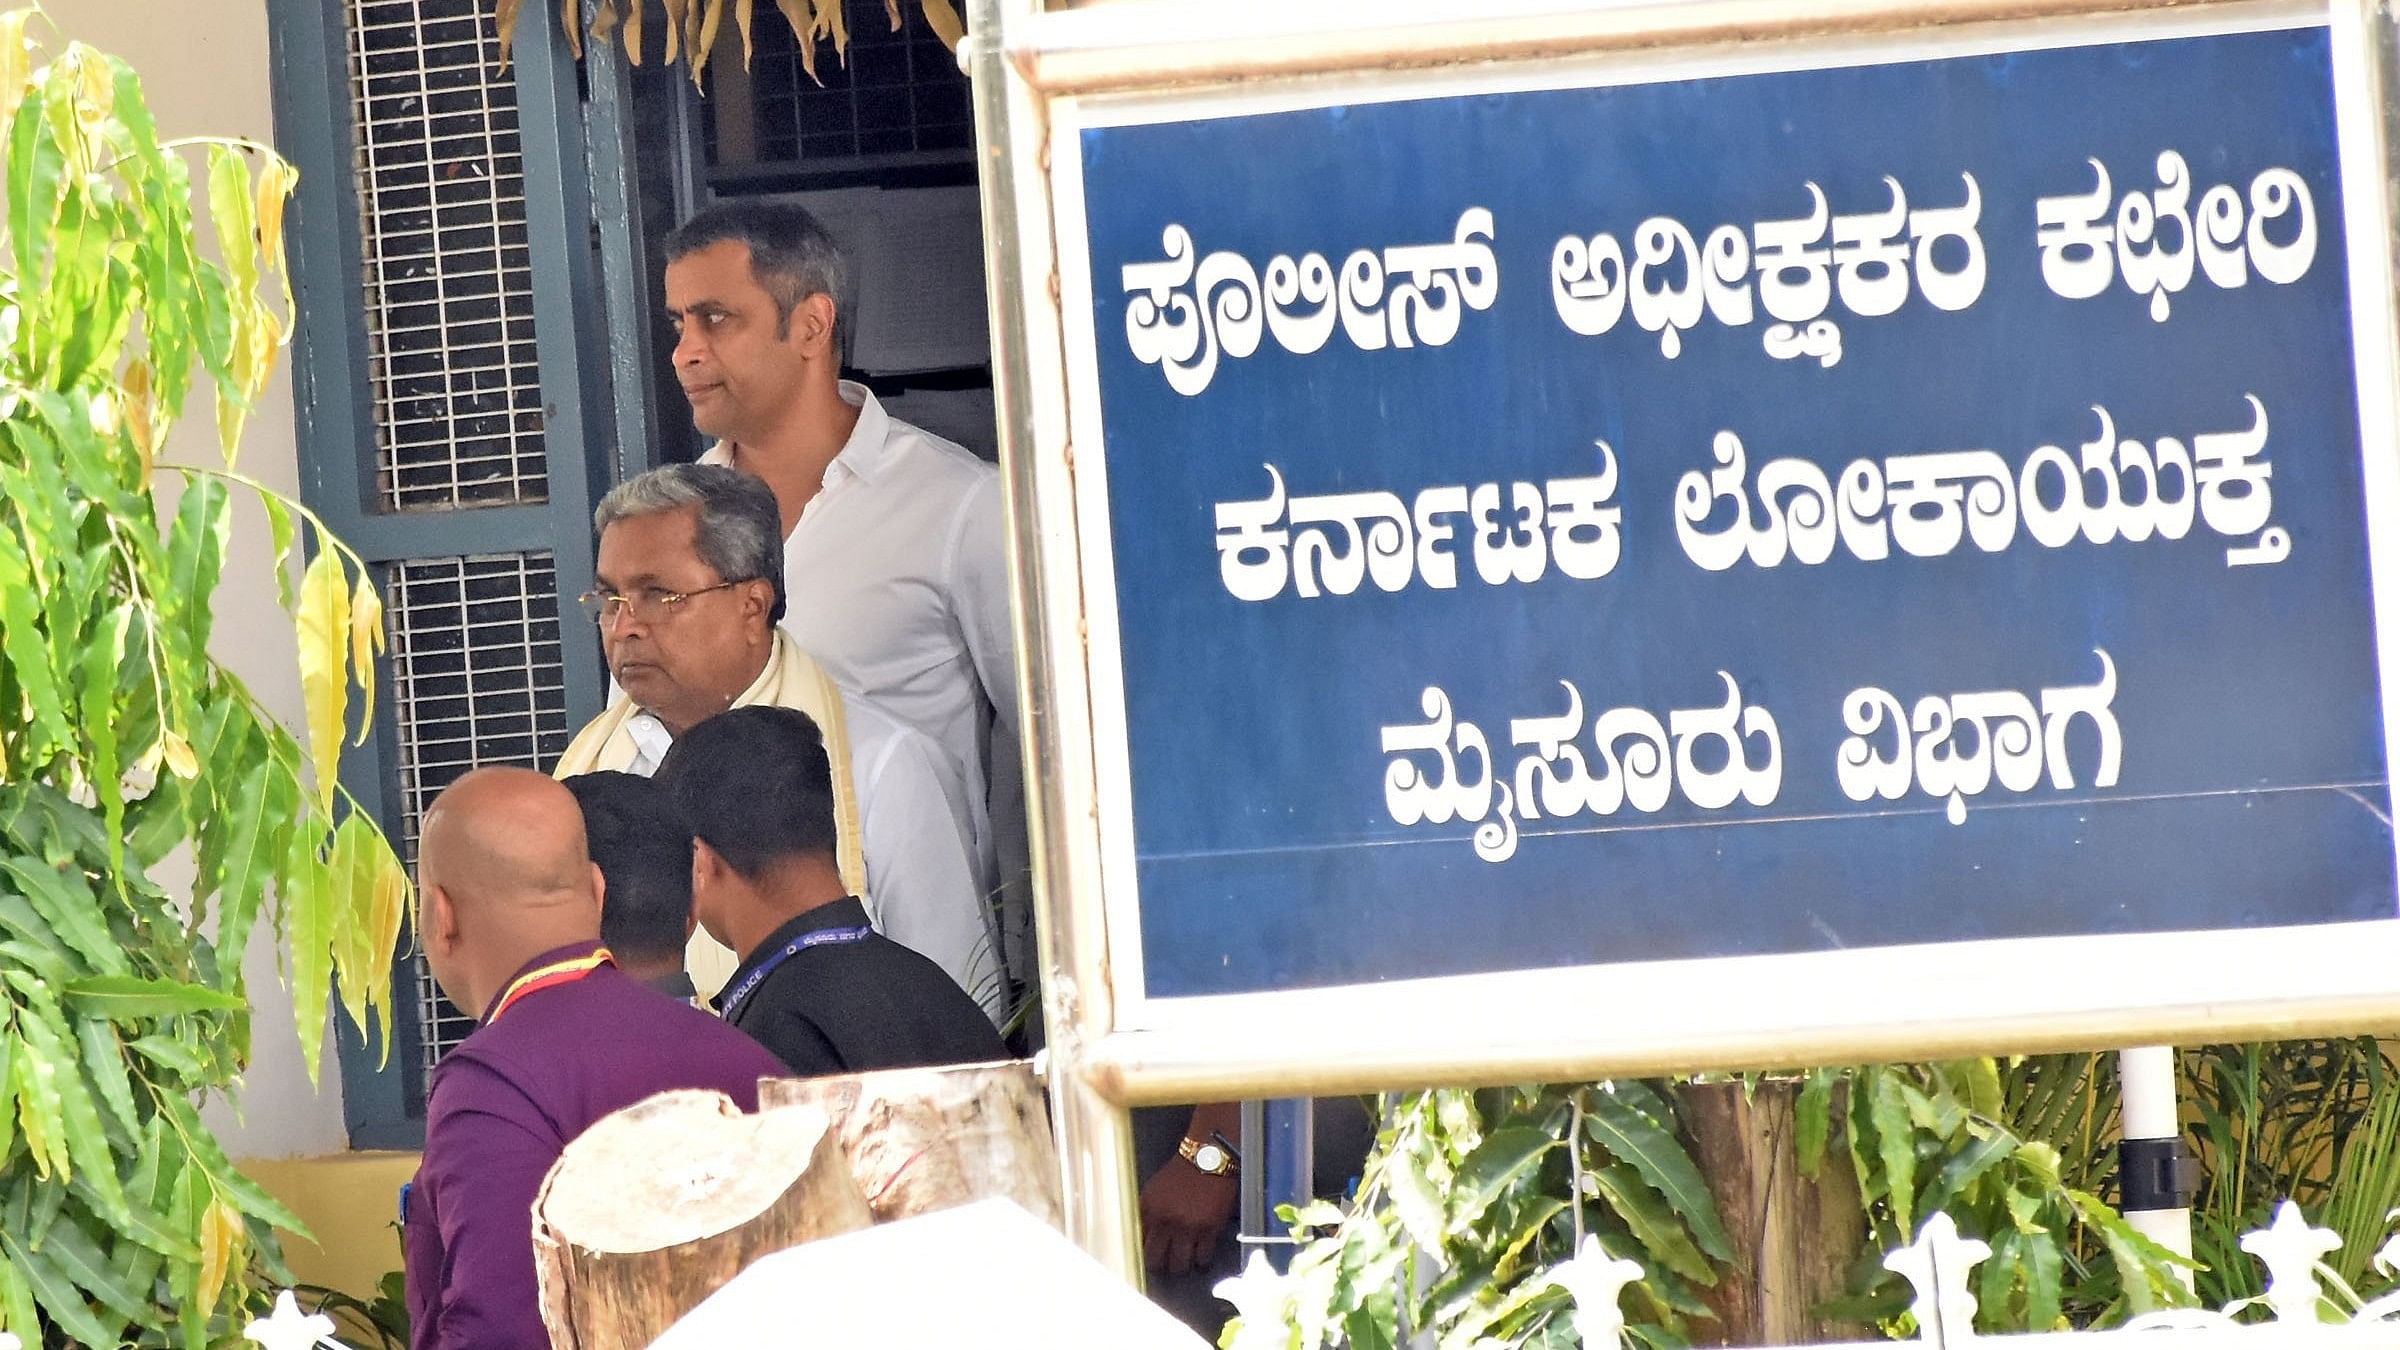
[869, 448]
[862, 456]
[652, 740]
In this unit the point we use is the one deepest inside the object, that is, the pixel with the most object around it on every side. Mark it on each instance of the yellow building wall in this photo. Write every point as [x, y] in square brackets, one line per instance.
[351, 1204]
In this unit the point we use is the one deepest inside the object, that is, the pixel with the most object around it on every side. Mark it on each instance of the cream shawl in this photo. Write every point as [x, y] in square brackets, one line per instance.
[792, 679]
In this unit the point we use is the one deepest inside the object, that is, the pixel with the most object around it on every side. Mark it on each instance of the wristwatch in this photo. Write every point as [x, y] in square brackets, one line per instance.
[1216, 1157]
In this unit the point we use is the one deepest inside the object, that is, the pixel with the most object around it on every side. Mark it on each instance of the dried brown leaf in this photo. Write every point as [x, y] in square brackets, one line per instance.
[891, 10]
[795, 13]
[605, 20]
[675, 11]
[837, 26]
[704, 17]
[944, 21]
[570, 18]
[741, 19]
[504, 16]
[633, 29]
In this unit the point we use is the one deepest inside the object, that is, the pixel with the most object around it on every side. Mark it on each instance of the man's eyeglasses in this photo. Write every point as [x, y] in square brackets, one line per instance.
[650, 604]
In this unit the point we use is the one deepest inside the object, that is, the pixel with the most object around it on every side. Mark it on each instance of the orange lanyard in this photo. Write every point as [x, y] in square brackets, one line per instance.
[550, 976]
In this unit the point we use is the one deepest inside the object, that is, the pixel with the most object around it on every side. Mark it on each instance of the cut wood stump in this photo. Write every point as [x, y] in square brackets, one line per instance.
[925, 1139]
[656, 1206]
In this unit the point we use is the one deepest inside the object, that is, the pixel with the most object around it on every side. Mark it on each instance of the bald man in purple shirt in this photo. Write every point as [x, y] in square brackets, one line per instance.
[510, 915]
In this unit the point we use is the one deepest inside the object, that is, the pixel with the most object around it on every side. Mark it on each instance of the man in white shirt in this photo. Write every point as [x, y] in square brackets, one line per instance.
[892, 535]
[689, 585]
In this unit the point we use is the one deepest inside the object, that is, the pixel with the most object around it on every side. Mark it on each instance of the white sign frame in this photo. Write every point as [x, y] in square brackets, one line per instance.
[1045, 75]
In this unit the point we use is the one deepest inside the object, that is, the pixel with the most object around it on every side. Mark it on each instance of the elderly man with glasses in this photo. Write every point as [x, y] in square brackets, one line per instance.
[690, 589]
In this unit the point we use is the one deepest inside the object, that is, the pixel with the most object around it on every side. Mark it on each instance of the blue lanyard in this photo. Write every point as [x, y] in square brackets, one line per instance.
[749, 985]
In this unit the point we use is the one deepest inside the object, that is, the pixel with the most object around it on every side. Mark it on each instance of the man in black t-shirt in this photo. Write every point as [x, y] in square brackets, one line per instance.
[644, 854]
[817, 985]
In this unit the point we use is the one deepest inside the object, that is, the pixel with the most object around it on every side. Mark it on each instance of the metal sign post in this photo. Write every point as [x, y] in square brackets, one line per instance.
[1691, 535]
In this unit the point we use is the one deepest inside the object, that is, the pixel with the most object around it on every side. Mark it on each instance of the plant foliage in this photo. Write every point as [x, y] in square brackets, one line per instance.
[2015, 1152]
[122, 740]
[2314, 1121]
[1468, 1200]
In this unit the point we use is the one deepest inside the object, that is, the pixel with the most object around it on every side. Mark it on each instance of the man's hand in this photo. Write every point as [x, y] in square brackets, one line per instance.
[1184, 1212]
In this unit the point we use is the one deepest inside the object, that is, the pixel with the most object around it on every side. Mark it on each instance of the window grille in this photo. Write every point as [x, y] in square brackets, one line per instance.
[475, 661]
[449, 291]
[899, 93]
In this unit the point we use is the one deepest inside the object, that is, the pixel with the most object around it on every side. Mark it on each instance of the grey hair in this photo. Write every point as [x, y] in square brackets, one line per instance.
[792, 255]
[739, 530]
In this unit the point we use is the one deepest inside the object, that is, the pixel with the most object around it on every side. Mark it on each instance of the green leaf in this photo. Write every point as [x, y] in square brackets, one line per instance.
[44, 724]
[2144, 1269]
[16, 1302]
[220, 1174]
[49, 1197]
[60, 830]
[2041, 1160]
[104, 1068]
[1896, 1146]
[308, 914]
[2044, 1270]
[173, 1056]
[2025, 1211]
[40, 1113]
[249, 862]
[1995, 1278]
[196, 543]
[1503, 1156]
[67, 903]
[49, 1043]
[1653, 1224]
[8, 1093]
[130, 998]
[1812, 1120]
[1416, 1196]
[35, 163]
[56, 1294]
[1965, 1166]
[141, 1222]
[1526, 1225]
[102, 656]
[45, 962]
[1978, 1081]
[78, 1257]
[281, 533]
[1635, 1137]
[353, 876]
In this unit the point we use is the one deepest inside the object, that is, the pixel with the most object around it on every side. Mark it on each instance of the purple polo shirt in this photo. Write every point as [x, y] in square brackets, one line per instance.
[506, 1102]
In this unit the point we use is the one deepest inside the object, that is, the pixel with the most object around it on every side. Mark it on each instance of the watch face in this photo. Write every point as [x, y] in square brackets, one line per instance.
[1209, 1158]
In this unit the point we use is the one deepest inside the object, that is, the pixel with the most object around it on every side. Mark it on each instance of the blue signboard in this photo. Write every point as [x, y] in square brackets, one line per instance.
[1901, 503]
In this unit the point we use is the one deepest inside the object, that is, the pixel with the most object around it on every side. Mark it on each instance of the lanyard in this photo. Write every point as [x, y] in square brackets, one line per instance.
[749, 985]
[550, 976]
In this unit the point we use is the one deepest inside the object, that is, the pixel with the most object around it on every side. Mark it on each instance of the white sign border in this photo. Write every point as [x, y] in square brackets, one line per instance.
[1811, 1007]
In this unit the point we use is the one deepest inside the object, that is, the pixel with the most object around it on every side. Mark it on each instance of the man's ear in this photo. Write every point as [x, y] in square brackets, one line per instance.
[441, 919]
[812, 325]
[599, 892]
[758, 604]
[708, 866]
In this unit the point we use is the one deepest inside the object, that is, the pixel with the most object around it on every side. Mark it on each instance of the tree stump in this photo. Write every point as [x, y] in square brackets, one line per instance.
[928, 1139]
[656, 1206]
[1793, 1237]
